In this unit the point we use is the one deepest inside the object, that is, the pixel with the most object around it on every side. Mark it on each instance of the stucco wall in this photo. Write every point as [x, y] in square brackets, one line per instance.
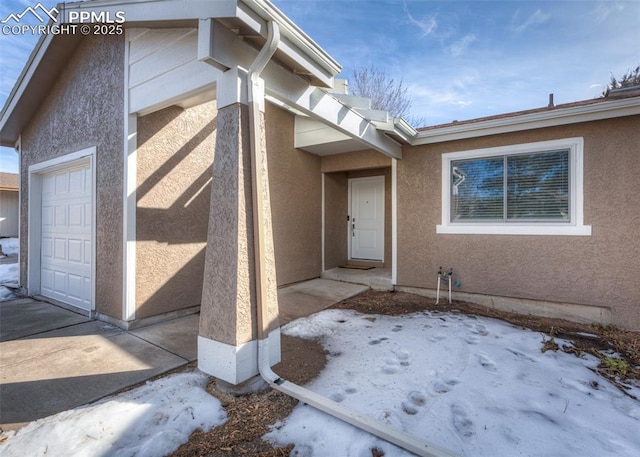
[296, 199]
[600, 270]
[85, 108]
[174, 159]
[336, 189]
[357, 160]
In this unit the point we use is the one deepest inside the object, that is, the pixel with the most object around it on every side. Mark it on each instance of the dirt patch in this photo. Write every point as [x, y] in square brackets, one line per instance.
[250, 416]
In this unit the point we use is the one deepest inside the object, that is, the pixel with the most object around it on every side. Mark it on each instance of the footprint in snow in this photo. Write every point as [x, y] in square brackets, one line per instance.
[487, 363]
[390, 367]
[377, 341]
[415, 400]
[397, 328]
[339, 397]
[472, 340]
[403, 358]
[480, 330]
[442, 387]
[461, 421]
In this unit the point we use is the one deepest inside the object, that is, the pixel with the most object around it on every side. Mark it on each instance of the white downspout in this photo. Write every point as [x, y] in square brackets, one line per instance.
[256, 100]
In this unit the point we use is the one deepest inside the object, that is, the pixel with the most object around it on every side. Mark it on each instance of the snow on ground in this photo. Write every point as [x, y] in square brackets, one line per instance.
[476, 386]
[152, 420]
[9, 273]
[10, 246]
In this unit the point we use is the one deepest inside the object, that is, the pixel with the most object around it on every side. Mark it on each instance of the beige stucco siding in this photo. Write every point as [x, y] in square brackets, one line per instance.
[296, 198]
[336, 190]
[600, 270]
[85, 108]
[174, 158]
[357, 160]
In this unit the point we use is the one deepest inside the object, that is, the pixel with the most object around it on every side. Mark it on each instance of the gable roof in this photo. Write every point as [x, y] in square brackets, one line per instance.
[296, 51]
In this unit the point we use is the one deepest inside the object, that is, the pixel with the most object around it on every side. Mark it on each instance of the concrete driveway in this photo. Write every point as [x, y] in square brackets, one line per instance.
[52, 359]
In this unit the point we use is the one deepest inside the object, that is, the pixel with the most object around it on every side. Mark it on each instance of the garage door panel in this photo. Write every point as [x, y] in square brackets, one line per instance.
[75, 249]
[76, 215]
[66, 262]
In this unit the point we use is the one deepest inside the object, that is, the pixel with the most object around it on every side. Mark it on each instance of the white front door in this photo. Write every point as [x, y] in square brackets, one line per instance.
[366, 224]
[66, 248]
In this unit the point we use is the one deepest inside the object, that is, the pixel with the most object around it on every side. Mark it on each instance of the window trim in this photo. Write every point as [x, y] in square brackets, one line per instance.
[576, 193]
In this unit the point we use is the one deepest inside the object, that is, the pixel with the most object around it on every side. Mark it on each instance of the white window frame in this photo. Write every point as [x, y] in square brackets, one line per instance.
[576, 199]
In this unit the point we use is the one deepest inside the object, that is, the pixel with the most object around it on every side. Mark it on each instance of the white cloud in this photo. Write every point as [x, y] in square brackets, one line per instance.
[427, 25]
[538, 17]
[602, 11]
[460, 46]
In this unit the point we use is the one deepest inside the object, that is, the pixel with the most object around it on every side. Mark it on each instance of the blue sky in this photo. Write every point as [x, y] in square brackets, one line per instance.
[460, 60]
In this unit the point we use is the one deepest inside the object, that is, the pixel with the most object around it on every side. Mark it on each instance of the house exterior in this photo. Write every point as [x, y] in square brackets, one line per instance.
[206, 156]
[9, 192]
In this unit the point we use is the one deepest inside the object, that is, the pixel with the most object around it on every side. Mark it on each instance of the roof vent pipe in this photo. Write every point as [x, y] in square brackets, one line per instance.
[551, 104]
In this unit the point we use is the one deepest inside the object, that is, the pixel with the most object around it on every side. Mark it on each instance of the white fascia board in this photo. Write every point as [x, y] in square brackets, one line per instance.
[320, 105]
[294, 42]
[551, 118]
[158, 10]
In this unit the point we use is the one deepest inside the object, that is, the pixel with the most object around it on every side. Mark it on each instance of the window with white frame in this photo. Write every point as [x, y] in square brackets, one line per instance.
[530, 189]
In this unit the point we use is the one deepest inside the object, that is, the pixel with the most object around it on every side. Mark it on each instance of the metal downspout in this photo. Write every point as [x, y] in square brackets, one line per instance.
[255, 93]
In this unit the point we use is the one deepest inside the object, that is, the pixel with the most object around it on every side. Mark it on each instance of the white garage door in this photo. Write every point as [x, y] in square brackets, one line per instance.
[66, 235]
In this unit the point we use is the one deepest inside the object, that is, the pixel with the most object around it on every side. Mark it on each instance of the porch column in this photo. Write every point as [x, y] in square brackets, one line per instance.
[227, 345]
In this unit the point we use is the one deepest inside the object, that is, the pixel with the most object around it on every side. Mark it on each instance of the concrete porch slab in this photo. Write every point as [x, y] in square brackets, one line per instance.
[178, 336]
[376, 278]
[309, 297]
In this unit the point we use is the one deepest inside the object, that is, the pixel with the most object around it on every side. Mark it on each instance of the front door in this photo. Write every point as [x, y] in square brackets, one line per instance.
[366, 224]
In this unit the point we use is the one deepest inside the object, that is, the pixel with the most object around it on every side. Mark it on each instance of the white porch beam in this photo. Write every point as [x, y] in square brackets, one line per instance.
[224, 49]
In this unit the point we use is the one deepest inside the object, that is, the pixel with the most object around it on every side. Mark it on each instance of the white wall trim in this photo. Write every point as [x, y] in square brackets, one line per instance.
[129, 185]
[576, 190]
[18, 149]
[234, 364]
[323, 221]
[34, 216]
[394, 221]
[539, 119]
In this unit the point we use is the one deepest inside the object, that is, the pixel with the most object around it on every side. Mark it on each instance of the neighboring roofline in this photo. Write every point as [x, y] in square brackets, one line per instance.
[571, 113]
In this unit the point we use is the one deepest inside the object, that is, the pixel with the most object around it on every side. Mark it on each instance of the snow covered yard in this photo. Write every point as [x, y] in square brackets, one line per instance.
[151, 420]
[9, 273]
[477, 386]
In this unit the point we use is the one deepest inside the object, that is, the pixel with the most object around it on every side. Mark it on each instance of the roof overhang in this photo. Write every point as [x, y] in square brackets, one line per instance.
[555, 117]
[296, 51]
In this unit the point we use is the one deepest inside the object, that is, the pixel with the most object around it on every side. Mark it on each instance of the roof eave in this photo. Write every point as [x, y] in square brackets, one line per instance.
[562, 116]
[33, 83]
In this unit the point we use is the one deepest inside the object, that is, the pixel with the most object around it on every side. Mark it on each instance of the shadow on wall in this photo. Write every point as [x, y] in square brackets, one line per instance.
[175, 155]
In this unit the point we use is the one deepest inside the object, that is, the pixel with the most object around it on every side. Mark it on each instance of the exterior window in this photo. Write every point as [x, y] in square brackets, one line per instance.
[532, 189]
